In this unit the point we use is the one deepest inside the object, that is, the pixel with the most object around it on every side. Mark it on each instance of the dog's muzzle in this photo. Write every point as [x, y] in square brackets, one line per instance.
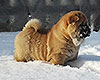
[85, 31]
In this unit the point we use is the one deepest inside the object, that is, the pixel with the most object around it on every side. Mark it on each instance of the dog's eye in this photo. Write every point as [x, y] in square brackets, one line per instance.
[81, 35]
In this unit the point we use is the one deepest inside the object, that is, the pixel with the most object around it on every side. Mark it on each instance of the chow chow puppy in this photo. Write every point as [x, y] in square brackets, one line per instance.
[57, 45]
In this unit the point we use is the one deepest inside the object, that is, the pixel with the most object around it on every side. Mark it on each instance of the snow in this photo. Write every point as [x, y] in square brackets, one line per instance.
[86, 67]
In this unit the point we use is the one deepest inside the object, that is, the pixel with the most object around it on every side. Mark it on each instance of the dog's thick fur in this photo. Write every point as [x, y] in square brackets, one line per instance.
[57, 45]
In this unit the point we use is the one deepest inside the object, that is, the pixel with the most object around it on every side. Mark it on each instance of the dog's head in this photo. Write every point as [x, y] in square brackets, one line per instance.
[77, 26]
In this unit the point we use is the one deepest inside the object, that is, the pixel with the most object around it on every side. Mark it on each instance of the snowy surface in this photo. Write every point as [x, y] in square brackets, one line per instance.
[86, 67]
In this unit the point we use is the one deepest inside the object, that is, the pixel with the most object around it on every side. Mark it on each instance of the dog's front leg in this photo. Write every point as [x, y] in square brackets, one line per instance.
[57, 59]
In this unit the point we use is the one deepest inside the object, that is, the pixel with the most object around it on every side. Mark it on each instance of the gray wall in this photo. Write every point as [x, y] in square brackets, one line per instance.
[15, 13]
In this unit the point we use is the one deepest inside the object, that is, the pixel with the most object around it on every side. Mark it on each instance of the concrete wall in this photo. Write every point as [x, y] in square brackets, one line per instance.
[15, 13]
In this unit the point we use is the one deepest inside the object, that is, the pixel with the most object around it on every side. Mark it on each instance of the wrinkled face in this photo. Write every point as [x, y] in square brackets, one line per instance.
[78, 31]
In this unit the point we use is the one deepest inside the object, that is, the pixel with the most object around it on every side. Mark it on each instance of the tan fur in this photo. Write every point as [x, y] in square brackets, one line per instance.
[35, 23]
[54, 46]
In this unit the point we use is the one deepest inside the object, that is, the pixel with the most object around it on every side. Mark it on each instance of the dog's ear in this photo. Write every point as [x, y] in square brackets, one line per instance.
[73, 19]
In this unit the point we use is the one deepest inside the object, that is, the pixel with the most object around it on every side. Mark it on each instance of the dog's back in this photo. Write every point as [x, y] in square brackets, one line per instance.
[28, 43]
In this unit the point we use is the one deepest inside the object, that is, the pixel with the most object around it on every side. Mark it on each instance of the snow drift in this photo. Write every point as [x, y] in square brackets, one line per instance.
[86, 67]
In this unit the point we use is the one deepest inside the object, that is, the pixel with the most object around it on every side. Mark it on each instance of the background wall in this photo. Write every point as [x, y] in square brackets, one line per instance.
[15, 13]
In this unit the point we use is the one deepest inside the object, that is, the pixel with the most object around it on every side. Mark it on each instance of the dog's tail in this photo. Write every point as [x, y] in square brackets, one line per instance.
[33, 23]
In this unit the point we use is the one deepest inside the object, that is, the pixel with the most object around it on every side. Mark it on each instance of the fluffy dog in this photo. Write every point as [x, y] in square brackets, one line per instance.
[59, 44]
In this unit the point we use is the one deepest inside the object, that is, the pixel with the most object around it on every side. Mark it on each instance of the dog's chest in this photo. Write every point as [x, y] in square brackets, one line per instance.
[70, 52]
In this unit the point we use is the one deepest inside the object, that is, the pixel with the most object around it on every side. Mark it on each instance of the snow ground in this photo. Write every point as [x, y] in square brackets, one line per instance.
[86, 67]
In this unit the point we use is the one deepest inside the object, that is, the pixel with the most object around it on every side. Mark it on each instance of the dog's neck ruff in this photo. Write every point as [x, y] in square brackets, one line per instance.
[57, 36]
